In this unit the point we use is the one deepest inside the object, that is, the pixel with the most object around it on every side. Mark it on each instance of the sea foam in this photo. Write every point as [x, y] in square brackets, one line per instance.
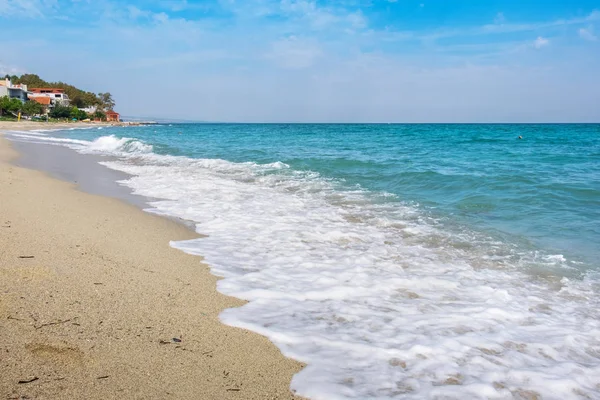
[380, 299]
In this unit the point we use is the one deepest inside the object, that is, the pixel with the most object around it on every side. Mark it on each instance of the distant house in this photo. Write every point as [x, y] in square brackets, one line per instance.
[46, 102]
[90, 109]
[112, 116]
[13, 91]
[56, 96]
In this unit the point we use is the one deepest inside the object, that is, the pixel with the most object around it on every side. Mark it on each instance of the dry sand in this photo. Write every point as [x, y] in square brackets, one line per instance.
[29, 125]
[94, 304]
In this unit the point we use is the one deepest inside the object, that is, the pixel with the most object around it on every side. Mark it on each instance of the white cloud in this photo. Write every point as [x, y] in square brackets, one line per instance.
[27, 8]
[588, 33]
[175, 5]
[136, 13]
[320, 17]
[503, 27]
[6, 69]
[160, 17]
[540, 42]
[357, 20]
[594, 16]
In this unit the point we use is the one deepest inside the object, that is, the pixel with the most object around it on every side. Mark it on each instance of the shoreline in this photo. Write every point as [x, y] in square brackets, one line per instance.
[33, 125]
[94, 303]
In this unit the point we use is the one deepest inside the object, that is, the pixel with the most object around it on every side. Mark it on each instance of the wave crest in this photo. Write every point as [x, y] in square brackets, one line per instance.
[113, 144]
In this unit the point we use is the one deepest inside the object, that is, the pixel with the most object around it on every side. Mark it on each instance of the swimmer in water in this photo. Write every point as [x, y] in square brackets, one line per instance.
[520, 137]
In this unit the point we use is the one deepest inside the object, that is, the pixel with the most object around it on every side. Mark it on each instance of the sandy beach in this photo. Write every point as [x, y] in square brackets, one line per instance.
[30, 125]
[95, 304]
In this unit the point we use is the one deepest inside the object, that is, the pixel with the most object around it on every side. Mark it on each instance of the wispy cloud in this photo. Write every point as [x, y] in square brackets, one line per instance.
[524, 27]
[321, 17]
[501, 26]
[540, 42]
[6, 69]
[27, 8]
[175, 5]
[588, 33]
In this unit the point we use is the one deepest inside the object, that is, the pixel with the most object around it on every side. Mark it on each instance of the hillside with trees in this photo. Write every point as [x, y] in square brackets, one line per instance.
[79, 98]
[103, 102]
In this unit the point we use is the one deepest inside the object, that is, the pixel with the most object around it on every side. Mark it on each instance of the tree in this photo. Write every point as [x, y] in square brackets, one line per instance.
[4, 104]
[99, 115]
[106, 101]
[78, 101]
[60, 112]
[11, 106]
[78, 114]
[32, 108]
[31, 80]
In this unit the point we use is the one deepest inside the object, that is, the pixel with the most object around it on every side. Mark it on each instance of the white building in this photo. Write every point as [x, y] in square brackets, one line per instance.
[90, 109]
[13, 91]
[57, 96]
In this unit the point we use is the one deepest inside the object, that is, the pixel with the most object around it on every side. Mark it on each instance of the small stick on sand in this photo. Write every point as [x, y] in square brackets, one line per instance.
[29, 379]
[53, 323]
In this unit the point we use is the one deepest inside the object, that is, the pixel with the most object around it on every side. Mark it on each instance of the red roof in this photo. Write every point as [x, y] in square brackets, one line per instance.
[46, 90]
[112, 113]
[42, 100]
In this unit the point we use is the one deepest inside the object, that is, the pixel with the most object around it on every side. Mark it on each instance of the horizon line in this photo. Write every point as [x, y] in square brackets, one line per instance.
[174, 121]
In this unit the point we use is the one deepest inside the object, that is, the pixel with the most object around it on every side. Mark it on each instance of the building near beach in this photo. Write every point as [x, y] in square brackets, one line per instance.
[46, 102]
[13, 91]
[90, 109]
[112, 116]
[56, 96]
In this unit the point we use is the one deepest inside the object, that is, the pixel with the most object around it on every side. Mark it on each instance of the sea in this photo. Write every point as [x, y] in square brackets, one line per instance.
[398, 261]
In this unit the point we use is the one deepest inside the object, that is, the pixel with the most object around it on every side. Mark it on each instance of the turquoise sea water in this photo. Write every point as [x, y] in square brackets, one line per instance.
[542, 191]
[397, 261]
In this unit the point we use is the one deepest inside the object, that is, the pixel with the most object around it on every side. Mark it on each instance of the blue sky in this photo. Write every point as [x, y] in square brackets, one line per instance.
[321, 61]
